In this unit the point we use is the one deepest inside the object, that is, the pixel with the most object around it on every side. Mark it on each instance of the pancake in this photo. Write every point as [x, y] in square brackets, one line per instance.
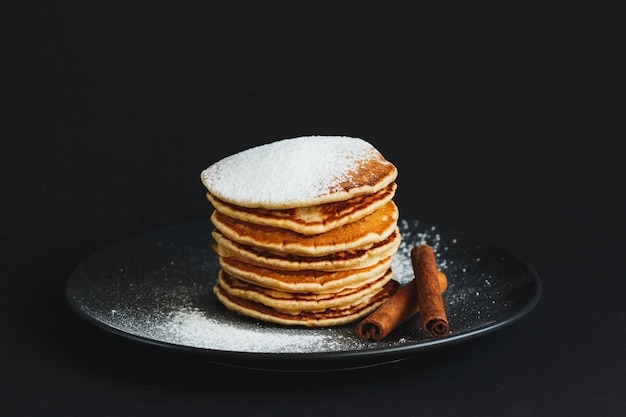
[339, 261]
[304, 281]
[326, 318]
[362, 233]
[305, 230]
[312, 219]
[299, 172]
[295, 303]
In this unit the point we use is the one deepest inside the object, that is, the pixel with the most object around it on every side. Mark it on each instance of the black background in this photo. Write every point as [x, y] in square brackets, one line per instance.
[505, 119]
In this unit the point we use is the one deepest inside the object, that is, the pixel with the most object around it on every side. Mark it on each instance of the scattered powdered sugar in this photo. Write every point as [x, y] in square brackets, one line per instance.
[171, 302]
[159, 288]
[189, 315]
[471, 296]
[196, 328]
[401, 265]
[193, 328]
[288, 171]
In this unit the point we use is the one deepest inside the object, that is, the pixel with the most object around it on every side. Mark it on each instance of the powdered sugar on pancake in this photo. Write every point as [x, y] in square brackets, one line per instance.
[298, 172]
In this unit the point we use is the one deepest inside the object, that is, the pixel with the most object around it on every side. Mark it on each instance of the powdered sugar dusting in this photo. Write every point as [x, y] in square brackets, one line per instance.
[182, 310]
[194, 328]
[401, 265]
[288, 171]
[158, 287]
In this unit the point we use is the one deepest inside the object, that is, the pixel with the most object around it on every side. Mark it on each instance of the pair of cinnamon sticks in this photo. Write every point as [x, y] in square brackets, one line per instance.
[421, 295]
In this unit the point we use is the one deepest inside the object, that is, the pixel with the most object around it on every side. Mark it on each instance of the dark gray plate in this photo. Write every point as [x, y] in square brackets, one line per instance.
[156, 288]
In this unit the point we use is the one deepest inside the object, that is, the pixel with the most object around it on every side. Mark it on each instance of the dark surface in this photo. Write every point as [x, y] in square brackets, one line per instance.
[505, 120]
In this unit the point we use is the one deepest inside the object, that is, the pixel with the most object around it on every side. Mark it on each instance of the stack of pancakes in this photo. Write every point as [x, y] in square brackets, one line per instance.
[305, 230]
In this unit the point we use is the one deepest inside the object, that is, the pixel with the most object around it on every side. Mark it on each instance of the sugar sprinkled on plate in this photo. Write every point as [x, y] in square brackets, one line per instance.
[136, 289]
[187, 315]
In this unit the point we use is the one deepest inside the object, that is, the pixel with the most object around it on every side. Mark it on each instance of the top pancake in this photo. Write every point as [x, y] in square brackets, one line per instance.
[299, 172]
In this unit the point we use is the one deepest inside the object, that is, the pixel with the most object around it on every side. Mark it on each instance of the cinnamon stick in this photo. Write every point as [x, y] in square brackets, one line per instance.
[432, 311]
[399, 308]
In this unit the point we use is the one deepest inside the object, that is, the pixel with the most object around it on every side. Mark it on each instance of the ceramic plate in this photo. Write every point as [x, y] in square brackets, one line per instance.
[156, 288]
